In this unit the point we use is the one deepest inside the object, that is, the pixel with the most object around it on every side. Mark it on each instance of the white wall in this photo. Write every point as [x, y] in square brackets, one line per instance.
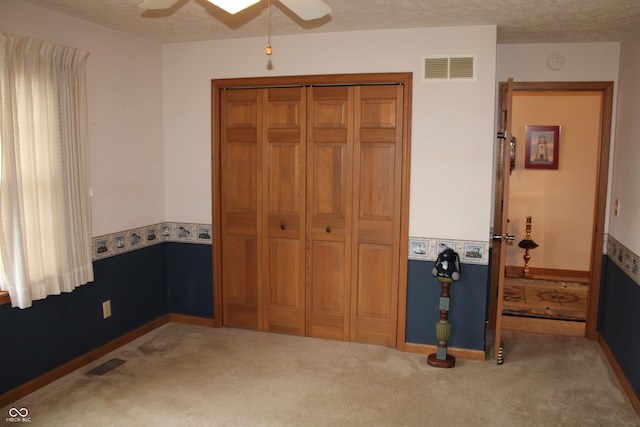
[144, 171]
[582, 62]
[124, 77]
[150, 164]
[625, 227]
[452, 137]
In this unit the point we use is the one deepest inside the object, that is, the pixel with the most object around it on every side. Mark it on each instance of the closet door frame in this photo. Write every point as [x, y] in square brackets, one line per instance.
[219, 85]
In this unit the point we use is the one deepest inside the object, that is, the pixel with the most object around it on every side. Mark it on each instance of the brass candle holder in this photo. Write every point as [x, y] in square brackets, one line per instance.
[526, 244]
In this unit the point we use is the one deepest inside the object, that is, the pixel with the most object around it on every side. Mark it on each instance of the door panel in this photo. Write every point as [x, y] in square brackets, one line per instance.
[240, 282]
[326, 305]
[284, 190]
[500, 226]
[329, 160]
[239, 208]
[284, 181]
[241, 157]
[377, 182]
[375, 263]
[284, 286]
[377, 171]
[330, 141]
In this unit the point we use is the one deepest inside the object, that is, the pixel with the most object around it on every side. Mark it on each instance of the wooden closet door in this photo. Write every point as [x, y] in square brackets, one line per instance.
[262, 208]
[241, 211]
[329, 183]
[284, 200]
[377, 178]
[310, 210]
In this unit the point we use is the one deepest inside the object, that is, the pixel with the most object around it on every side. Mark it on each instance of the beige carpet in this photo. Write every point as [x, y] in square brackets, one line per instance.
[182, 375]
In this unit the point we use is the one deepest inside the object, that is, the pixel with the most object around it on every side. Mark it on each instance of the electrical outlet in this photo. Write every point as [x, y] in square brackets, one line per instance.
[106, 309]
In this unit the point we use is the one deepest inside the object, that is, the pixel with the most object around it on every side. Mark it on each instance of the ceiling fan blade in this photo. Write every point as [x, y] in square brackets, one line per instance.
[307, 9]
[157, 4]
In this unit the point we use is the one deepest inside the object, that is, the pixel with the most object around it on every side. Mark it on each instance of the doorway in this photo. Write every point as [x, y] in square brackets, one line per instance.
[589, 271]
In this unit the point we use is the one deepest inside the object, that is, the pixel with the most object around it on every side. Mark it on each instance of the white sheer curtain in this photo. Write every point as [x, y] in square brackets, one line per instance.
[45, 229]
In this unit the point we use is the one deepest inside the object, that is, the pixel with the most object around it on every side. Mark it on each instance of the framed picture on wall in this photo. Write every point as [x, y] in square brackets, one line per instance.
[542, 147]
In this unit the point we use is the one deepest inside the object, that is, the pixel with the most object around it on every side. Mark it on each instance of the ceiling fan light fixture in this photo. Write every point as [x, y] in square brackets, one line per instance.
[233, 6]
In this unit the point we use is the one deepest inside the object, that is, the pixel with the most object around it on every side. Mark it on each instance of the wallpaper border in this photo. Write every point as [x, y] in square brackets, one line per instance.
[470, 252]
[137, 238]
[624, 258]
[420, 248]
[108, 245]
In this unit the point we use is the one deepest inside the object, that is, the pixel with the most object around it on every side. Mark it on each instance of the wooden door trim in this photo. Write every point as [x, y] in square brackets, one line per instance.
[404, 216]
[215, 205]
[403, 78]
[606, 91]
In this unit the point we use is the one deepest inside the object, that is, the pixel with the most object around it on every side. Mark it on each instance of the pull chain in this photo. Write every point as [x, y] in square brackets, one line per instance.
[268, 49]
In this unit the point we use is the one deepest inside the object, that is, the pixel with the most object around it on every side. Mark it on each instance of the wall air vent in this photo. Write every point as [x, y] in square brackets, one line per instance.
[460, 67]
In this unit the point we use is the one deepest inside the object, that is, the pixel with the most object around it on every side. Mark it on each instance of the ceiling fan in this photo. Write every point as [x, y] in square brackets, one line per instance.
[305, 9]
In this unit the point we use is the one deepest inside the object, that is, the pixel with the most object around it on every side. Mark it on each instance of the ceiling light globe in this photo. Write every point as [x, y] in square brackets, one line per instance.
[233, 6]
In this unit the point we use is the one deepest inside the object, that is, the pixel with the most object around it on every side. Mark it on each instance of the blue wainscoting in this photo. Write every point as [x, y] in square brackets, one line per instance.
[171, 277]
[190, 279]
[620, 320]
[467, 312]
[60, 328]
[148, 283]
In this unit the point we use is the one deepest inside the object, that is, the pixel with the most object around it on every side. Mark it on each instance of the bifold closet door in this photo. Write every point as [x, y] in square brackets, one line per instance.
[329, 201]
[262, 208]
[377, 183]
[283, 192]
[354, 173]
[310, 210]
[240, 167]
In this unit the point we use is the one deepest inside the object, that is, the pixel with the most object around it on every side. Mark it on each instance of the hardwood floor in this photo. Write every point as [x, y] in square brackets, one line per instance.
[549, 305]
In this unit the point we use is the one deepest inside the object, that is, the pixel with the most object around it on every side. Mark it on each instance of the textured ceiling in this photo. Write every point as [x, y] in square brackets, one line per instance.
[518, 21]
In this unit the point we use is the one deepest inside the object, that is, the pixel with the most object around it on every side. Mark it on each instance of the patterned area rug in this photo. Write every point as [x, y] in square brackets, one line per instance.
[548, 299]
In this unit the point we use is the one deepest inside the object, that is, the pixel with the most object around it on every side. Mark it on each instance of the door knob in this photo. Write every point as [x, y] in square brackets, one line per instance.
[283, 227]
[503, 237]
[328, 229]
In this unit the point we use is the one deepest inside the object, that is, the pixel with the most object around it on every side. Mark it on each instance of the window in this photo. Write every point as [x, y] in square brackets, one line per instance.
[45, 230]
